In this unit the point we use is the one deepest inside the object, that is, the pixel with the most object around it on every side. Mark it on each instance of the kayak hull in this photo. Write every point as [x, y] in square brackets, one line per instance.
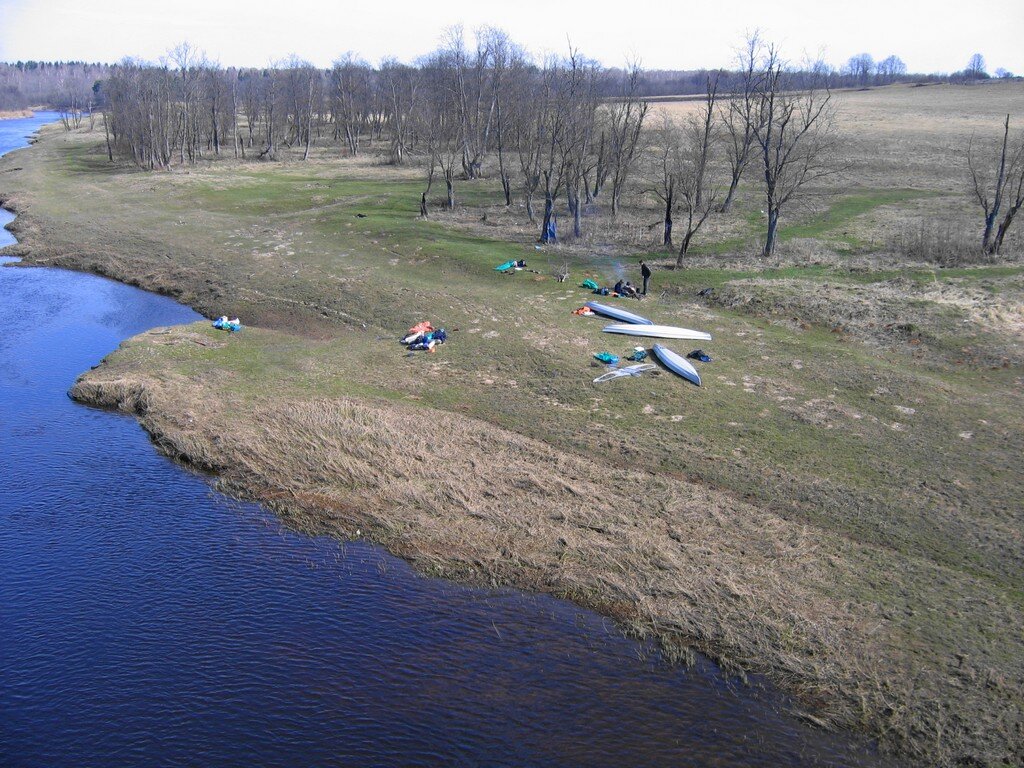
[618, 314]
[657, 331]
[677, 364]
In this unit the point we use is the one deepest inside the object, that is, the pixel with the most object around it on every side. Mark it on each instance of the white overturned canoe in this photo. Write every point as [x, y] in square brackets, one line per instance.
[657, 331]
[618, 314]
[677, 364]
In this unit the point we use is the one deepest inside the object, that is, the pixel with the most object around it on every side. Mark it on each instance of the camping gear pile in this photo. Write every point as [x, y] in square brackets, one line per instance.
[513, 266]
[222, 323]
[593, 287]
[424, 337]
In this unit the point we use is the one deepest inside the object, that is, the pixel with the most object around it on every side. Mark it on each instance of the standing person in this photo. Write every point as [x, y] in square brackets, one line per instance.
[645, 272]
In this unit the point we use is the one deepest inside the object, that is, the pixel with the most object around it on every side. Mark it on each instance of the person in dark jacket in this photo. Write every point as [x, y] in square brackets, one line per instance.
[645, 272]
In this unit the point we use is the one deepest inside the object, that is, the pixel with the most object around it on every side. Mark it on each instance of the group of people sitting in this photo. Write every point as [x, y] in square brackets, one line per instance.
[626, 288]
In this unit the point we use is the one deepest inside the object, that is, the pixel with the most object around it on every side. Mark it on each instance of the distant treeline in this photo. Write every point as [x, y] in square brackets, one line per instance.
[60, 84]
[71, 85]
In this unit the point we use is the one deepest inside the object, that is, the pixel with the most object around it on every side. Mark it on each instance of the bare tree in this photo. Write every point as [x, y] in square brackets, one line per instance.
[349, 99]
[976, 67]
[541, 136]
[626, 119]
[890, 68]
[578, 102]
[707, 131]
[473, 96]
[508, 66]
[696, 191]
[1006, 189]
[861, 67]
[796, 134]
[739, 116]
[440, 122]
[216, 90]
[529, 125]
[663, 154]
[399, 101]
[681, 161]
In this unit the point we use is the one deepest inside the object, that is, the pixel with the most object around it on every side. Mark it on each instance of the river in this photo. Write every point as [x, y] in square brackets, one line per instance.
[147, 620]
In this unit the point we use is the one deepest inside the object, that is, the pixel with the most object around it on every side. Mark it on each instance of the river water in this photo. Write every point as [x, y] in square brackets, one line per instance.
[147, 620]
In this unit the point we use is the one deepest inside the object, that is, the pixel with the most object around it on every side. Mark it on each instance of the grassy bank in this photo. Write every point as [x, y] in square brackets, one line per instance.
[839, 506]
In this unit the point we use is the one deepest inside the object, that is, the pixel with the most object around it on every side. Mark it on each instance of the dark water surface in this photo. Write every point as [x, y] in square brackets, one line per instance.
[146, 620]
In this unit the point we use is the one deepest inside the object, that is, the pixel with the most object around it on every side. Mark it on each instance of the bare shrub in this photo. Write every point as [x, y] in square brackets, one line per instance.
[943, 243]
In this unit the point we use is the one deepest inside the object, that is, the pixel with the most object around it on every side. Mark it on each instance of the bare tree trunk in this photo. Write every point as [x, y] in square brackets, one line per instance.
[106, 134]
[709, 118]
[216, 133]
[993, 212]
[772, 237]
[667, 239]
[449, 183]
[733, 184]
[690, 232]
[549, 208]
[572, 195]
[234, 117]
[430, 182]
[600, 169]
[1004, 225]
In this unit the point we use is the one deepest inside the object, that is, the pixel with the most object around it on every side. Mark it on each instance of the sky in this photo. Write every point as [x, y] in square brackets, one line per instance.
[936, 36]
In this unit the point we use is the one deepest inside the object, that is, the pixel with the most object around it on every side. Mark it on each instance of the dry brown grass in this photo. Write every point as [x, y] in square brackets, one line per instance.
[988, 325]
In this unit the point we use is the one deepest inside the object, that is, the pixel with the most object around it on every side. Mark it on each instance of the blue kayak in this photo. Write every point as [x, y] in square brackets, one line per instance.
[677, 364]
[618, 314]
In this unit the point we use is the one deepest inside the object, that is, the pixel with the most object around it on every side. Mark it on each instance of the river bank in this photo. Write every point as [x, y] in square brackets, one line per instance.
[685, 514]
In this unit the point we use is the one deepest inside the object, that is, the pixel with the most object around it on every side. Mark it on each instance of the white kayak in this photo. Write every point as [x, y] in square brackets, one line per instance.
[618, 314]
[658, 331]
[677, 364]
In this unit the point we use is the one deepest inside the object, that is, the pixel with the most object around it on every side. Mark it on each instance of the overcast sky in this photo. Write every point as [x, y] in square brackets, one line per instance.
[936, 36]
